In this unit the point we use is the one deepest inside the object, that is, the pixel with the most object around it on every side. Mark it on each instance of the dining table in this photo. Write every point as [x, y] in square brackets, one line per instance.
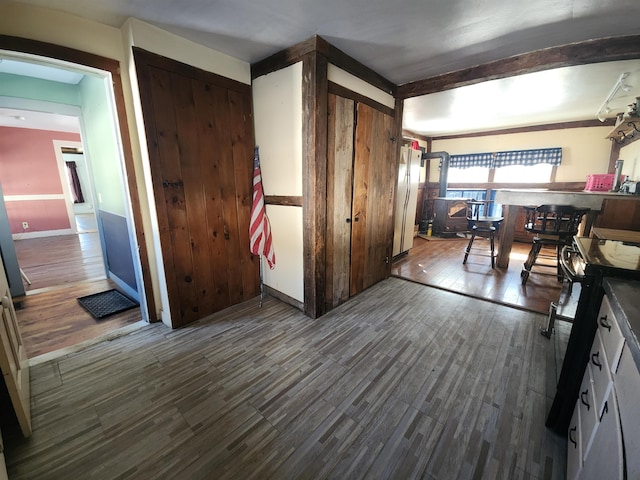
[512, 199]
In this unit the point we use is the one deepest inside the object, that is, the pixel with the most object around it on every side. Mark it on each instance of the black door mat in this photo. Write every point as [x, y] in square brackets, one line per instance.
[103, 304]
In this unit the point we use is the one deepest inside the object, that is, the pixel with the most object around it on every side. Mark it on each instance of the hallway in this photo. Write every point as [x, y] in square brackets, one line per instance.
[61, 269]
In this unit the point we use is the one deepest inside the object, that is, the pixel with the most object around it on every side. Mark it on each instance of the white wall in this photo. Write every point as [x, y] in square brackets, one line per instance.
[584, 150]
[277, 113]
[345, 79]
[631, 156]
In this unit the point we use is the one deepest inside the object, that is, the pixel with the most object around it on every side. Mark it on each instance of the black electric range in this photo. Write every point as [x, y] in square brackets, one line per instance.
[600, 258]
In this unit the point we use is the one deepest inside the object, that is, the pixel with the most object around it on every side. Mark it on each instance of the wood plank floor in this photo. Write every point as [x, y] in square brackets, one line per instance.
[438, 263]
[402, 381]
[61, 269]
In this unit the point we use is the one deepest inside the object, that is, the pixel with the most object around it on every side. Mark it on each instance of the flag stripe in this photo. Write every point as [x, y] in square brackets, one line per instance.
[260, 240]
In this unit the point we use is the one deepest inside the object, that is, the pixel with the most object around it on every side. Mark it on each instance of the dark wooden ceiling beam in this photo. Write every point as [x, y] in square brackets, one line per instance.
[334, 55]
[580, 53]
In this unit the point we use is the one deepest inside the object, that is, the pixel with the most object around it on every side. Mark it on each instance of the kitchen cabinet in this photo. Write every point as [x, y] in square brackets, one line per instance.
[606, 417]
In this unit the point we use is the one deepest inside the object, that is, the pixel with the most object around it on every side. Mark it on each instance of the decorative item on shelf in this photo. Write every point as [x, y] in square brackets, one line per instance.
[625, 130]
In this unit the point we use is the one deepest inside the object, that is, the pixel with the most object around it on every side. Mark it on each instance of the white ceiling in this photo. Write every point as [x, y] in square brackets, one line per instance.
[11, 117]
[409, 40]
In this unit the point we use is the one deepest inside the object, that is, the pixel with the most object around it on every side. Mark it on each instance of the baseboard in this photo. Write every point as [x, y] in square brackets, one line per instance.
[42, 234]
[283, 297]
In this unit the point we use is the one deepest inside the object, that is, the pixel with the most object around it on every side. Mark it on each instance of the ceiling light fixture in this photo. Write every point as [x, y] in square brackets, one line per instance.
[604, 108]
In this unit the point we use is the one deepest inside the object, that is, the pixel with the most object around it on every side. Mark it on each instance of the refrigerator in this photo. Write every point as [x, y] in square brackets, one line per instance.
[406, 199]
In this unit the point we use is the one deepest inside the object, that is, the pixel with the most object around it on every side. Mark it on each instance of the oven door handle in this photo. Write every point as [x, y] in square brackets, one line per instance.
[567, 252]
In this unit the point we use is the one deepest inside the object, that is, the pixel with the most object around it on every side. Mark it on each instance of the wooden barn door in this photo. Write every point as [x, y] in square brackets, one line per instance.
[361, 181]
[374, 180]
[199, 129]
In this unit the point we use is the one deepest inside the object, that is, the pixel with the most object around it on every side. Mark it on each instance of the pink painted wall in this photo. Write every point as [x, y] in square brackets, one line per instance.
[28, 167]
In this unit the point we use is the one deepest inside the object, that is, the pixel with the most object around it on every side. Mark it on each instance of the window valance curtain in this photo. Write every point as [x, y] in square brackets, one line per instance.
[551, 156]
[471, 160]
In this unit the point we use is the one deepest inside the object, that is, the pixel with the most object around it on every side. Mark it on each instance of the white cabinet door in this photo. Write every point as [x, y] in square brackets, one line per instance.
[600, 373]
[605, 460]
[627, 389]
[588, 415]
[574, 445]
[610, 333]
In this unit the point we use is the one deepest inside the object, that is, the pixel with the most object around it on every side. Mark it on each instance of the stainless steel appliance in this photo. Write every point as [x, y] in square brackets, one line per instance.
[599, 259]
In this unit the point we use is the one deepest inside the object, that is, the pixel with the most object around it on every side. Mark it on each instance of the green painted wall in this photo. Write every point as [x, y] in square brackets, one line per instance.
[101, 145]
[36, 89]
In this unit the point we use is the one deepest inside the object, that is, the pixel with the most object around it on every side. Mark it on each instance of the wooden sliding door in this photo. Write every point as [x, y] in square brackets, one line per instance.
[360, 187]
[199, 129]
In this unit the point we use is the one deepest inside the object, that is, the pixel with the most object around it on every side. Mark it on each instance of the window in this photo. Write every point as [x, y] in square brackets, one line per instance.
[513, 166]
[540, 173]
[468, 175]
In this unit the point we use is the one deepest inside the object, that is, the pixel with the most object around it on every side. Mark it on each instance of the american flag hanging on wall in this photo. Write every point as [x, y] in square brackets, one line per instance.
[260, 241]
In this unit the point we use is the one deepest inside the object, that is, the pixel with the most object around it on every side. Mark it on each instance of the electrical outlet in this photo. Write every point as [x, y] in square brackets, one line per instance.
[25, 225]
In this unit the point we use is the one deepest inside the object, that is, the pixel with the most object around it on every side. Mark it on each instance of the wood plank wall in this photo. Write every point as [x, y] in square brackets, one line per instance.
[199, 130]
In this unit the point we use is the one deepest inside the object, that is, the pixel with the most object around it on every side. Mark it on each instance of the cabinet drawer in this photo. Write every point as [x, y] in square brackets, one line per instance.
[600, 373]
[612, 338]
[605, 459]
[574, 445]
[588, 415]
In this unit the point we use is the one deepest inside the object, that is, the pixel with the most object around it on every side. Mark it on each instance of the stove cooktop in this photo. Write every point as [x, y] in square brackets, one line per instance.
[612, 254]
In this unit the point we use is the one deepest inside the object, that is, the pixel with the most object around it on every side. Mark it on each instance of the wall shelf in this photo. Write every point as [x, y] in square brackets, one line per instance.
[627, 131]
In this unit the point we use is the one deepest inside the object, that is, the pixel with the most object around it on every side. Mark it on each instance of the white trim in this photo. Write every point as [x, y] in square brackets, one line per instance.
[62, 171]
[28, 198]
[40, 106]
[125, 286]
[44, 233]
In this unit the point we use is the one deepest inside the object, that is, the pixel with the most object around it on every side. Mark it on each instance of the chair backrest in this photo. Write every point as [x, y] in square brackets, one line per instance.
[562, 220]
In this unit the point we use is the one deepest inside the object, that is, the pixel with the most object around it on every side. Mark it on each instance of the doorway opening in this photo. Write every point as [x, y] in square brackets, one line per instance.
[96, 249]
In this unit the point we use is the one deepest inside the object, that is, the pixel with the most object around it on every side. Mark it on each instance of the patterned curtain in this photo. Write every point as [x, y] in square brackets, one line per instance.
[471, 160]
[551, 156]
[74, 181]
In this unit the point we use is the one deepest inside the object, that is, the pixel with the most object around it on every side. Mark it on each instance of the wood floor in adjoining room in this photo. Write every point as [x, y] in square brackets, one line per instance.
[438, 262]
[61, 269]
[402, 381]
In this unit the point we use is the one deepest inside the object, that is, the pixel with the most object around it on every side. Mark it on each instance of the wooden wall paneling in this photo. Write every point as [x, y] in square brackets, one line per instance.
[200, 126]
[314, 174]
[230, 215]
[155, 98]
[196, 255]
[620, 213]
[339, 196]
[212, 111]
[177, 242]
[242, 141]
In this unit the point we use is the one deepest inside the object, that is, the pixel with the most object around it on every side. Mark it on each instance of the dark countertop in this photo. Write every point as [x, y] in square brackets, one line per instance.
[624, 297]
